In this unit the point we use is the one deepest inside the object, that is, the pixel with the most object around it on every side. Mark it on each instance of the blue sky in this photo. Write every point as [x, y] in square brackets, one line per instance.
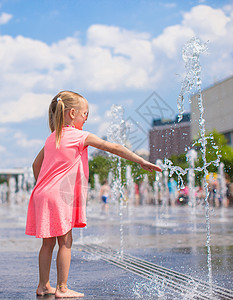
[112, 52]
[53, 20]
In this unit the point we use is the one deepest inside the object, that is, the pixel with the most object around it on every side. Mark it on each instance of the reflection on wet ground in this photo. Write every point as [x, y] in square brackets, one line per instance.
[175, 239]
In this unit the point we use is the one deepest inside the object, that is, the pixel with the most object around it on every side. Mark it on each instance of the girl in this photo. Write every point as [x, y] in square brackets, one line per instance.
[104, 194]
[58, 201]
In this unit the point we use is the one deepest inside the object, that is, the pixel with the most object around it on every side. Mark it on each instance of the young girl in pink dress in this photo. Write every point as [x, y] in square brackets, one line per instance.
[58, 201]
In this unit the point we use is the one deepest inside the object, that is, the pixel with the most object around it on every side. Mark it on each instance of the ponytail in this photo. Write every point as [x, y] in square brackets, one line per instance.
[51, 119]
[59, 120]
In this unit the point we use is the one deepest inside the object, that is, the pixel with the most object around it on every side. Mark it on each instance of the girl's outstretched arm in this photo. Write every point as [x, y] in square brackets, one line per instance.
[95, 141]
[37, 163]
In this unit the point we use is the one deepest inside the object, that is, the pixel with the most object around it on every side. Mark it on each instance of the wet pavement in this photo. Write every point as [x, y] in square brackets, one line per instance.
[170, 237]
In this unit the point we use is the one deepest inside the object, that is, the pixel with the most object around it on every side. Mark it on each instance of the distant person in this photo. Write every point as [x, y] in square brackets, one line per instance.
[200, 194]
[173, 193]
[137, 194]
[143, 192]
[230, 193]
[58, 201]
[104, 195]
[228, 197]
[214, 194]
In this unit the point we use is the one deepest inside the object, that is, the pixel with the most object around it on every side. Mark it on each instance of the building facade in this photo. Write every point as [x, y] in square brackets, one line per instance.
[218, 110]
[169, 137]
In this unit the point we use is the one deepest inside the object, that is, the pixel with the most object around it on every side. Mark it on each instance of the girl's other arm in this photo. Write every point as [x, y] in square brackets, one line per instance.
[95, 141]
[37, 163]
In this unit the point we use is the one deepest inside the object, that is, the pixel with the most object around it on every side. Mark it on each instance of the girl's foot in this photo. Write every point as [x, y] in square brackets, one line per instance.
[64, 292]
[43, 291]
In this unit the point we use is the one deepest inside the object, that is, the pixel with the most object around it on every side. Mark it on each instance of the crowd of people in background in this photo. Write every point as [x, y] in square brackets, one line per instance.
[144, 194]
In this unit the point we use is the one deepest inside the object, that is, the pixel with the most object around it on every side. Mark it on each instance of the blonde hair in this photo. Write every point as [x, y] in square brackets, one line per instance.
[62, 101]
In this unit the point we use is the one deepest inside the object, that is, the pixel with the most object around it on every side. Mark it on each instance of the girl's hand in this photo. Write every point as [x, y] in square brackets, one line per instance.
[146, 165]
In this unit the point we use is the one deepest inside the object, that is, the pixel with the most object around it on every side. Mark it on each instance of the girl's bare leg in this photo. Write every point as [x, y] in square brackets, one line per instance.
[63, 266]
[45, 257]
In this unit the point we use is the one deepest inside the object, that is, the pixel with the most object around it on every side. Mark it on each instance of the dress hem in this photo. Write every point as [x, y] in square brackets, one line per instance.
[79, 225]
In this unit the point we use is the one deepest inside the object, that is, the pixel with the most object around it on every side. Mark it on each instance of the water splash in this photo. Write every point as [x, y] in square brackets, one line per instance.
[191, 55]
[117, 130]
[130, 186]
[191, 157]
[222, 184]
[192, 84]
[117, 134]
[158, 287]
[97, 185]
[155, 287]
[192, 81]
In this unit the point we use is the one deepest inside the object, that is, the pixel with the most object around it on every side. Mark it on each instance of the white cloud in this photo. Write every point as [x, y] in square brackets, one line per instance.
[3, 131]
[29, 106]
[102, 129]
[104, 126]
[112, 59]
[22, 141]
[5, 18]
[169, 5]
[16, 148]
[94, 117]
[118, 57]
[2, 149]
[202, 21]
[228, 8]
[170, 41]
[207, 22]
[126, 102]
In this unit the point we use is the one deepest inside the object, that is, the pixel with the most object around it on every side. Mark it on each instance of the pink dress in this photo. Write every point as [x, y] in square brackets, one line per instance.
[58, 201]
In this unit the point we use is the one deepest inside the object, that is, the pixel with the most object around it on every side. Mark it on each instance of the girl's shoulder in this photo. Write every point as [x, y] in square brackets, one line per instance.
[75, 135]
[69, 135]
[81, 132]
[51, 137]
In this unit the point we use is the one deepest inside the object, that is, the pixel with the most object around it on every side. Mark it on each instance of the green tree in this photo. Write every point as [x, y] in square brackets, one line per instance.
[100, 165]
[3, 179]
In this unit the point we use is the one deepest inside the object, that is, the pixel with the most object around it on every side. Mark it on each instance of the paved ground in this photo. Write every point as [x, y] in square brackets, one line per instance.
[173, 238]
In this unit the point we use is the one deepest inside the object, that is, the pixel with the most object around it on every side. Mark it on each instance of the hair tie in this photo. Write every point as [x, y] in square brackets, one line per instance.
[59, 99]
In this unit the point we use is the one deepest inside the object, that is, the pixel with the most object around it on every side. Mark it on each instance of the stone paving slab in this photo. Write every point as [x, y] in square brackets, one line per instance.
[95, 278]
[172, 241]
